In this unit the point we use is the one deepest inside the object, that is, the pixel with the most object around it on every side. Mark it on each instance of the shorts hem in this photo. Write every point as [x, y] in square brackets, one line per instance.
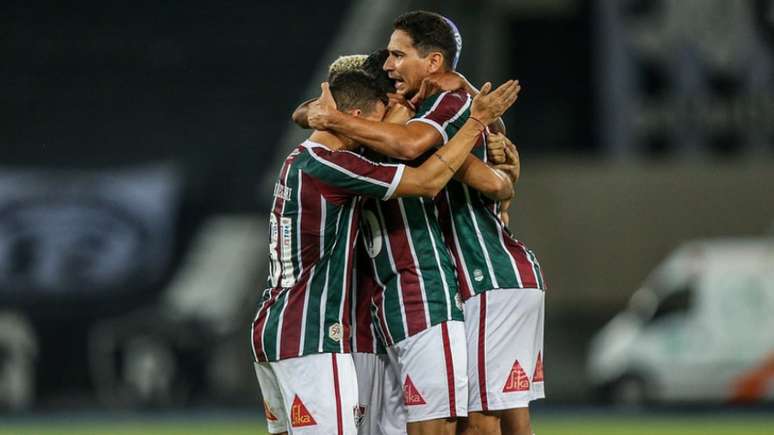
[502, 406]
[434, 417]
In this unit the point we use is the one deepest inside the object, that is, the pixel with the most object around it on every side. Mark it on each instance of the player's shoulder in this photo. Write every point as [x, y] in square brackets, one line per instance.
[460, 94]
[447, 100]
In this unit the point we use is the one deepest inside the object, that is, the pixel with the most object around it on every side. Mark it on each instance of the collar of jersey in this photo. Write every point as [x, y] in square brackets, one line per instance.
[311, 144]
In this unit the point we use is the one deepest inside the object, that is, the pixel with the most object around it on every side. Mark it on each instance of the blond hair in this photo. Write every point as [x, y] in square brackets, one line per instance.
[347, 63]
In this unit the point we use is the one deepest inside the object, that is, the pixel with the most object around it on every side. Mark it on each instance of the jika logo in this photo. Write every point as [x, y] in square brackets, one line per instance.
[410, 394]
[517, 380]
[299, 415]
[538, 375]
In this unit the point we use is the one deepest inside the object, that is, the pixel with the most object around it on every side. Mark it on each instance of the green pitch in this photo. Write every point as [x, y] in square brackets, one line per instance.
[576, 424]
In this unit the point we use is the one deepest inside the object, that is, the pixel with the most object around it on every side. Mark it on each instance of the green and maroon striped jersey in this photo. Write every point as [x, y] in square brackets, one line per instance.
[365, 337]
[306, 306]
[416, 285]
[486, 254]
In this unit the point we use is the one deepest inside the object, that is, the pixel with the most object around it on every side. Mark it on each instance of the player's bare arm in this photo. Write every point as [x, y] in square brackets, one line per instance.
[405, 142]
[399, 112]
[429, 178]
[492, 182]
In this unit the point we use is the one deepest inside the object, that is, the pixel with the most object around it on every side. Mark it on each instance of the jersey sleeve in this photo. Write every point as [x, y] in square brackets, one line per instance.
[352, 172]
[446, 112]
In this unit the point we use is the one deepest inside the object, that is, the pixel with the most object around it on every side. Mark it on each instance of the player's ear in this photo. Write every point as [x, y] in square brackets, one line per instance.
[357, 113]
[435, 62]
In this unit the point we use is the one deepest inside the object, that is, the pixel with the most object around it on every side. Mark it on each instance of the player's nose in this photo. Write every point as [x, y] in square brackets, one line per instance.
[388, 64]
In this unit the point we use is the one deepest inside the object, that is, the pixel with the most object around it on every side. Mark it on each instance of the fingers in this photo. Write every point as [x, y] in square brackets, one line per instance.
[420, 95]
[497, 156]
[496, 147]
[510, 153]
[504, 96]
[510, 90]
[326, 97]
[485, 89]
[508, 168]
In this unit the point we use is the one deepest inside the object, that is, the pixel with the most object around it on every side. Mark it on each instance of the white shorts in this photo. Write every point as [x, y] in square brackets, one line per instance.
[312, 394]
[432, 367]
[505, 348]
[380, 397]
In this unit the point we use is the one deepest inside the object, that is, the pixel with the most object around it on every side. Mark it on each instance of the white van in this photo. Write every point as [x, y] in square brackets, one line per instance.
[701, 328]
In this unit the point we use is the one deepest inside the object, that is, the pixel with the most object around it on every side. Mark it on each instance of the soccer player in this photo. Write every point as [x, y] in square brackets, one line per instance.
[505, 327]
[372, 378]
[300, 334]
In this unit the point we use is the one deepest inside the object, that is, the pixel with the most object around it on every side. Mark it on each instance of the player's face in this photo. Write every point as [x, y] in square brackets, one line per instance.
[405, 65]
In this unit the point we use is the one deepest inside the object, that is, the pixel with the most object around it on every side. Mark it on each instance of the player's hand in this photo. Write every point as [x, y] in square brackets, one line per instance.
[398, 114]
[489, 105]
[512, 164]
[439, 82]
[495, 148]
[505, 217]
[322, 109]
[398, 99]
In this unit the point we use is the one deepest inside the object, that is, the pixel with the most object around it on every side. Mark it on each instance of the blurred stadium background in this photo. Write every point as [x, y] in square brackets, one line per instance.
[140, 140]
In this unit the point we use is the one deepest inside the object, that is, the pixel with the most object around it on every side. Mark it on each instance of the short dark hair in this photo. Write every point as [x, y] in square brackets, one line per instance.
[356, 90]
[430, 32]
[373, 66]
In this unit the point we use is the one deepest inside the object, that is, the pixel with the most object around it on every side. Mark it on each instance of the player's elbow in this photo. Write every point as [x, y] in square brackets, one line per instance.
[432, 187]
[500, 190]
[409, 148]
[414, 150]
[299, 117]
[425, 185]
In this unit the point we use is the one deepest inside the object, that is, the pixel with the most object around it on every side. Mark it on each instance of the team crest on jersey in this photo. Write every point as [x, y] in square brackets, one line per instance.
[478, 275]
[299, 415]
[411, 395]
[335, 332]
[517, 380]
[360, 412]
[267, 410]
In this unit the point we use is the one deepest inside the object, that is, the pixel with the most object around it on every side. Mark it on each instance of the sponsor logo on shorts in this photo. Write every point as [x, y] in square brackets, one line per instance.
[299, 415]
[411, 395]
[335, 332]
[538, 375]
[267, 410]
[360, 412]
[517, 380]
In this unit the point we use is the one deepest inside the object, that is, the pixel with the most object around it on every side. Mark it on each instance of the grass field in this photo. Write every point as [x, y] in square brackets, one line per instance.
[575, 423]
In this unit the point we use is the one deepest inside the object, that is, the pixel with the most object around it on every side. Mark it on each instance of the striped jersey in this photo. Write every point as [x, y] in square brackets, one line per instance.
[365, 337]
[416, 285]
[486, 254]
[306, 307]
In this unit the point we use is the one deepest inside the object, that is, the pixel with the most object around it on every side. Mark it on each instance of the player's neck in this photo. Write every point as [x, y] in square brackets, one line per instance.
[332, 140]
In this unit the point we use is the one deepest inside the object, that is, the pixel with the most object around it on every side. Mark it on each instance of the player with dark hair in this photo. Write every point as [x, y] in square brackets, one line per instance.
[300, 334]
[504, 328]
